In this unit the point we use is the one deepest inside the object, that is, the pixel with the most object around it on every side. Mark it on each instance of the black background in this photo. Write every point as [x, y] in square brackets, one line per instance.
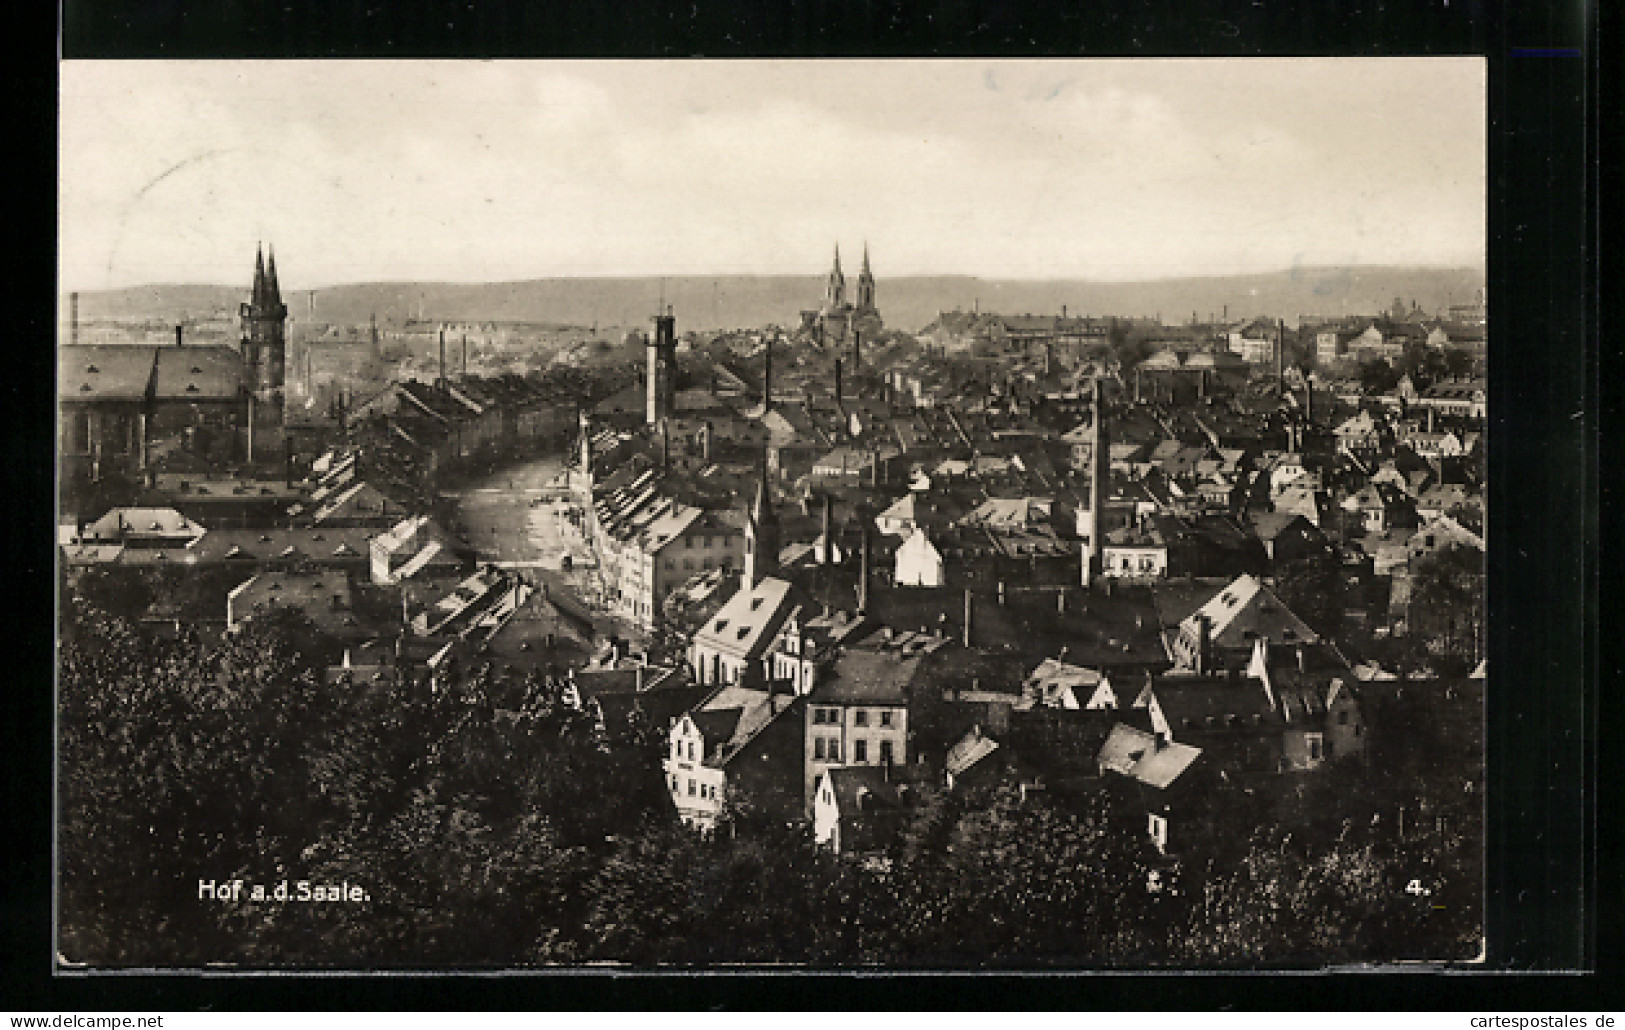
[1554, 374]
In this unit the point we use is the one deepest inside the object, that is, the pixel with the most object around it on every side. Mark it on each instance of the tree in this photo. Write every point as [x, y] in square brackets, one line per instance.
[1312, 587]
[1446, 606]
[1377, 376]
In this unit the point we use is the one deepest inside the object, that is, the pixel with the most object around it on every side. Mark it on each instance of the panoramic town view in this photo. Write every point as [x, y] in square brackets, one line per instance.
[901, 514]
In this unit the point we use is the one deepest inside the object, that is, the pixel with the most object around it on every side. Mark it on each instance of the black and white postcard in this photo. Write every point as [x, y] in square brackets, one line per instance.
[662, 515]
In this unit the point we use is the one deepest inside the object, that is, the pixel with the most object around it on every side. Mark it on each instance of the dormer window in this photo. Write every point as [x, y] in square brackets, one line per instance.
[191, 388]
[92, 369]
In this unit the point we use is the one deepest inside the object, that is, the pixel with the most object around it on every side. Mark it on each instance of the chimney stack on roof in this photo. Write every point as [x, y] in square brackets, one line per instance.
[969, 612]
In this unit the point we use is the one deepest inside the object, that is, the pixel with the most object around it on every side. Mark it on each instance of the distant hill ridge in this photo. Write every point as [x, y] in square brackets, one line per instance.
[907, 303]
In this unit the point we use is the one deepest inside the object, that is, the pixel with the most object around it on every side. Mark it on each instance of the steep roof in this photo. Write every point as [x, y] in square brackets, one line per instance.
[104, 373]
[198, 373]
[1245, 610]
[1136, 754]
[747, 623]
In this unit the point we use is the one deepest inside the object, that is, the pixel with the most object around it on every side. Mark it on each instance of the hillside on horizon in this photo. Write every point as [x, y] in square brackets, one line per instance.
[907, 303]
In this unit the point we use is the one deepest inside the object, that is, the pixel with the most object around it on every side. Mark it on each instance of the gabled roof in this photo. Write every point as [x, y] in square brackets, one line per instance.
[198, 373]
[1245, 610]
[104, 373]
[970, 749]
[747, 624]
[1136, 754]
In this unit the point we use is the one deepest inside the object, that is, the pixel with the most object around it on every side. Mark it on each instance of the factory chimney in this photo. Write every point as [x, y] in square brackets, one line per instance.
[1099, 464]
[767, 378]
[827, 557]
[442, 382]
[179, 341]
[863, 568]
[969, 613]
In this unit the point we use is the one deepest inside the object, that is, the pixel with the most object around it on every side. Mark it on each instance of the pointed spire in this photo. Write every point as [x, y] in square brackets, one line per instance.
[837, 270]
[865, 257]
[258, 296]
[273, 292]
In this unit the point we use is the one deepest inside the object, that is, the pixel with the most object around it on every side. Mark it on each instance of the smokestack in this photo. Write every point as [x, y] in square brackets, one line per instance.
[829, 541]
[442, 357]
[767, 378]
[1280, 353]
[1099, 464]
[179, 341]
[863, 570]
[665, 445]
[968, 615]
[837, 381]
[465, 354]
[1063, 310]
[1203, 645]
[73, 317]
[1309, 404]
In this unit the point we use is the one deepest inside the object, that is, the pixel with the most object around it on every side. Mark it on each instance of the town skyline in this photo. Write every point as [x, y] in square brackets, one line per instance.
[513, 171]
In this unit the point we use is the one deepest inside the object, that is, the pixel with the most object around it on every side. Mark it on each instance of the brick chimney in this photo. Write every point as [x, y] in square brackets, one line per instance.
[969, 613]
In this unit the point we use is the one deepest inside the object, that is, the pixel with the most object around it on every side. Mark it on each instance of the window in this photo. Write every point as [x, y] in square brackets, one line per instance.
[691, 751]
[860, 718]
[860, 751]
[818, 749]
[1314, 742]
[690, 788]
[1343, 717]
[885, 718]
[885, 752]
[1158, 828]
[834, 750]
[688, 542]
[818, 716]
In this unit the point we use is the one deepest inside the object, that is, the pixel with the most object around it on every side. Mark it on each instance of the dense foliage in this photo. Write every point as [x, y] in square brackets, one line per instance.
[487, 836]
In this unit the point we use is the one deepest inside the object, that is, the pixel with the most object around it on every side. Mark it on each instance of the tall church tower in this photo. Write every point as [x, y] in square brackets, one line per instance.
[835, 288]
[866, 285]
[761, 536]
[264, 340]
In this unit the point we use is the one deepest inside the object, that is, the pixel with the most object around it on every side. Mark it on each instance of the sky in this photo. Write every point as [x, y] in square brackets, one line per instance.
[1113, 170]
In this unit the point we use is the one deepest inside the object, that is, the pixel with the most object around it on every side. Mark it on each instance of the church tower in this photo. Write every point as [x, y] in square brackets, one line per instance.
[264, 340]
[866, 285]
[835, 288]
[761, 536]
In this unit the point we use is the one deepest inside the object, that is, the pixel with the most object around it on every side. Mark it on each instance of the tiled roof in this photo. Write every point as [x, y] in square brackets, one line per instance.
[95, 373]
